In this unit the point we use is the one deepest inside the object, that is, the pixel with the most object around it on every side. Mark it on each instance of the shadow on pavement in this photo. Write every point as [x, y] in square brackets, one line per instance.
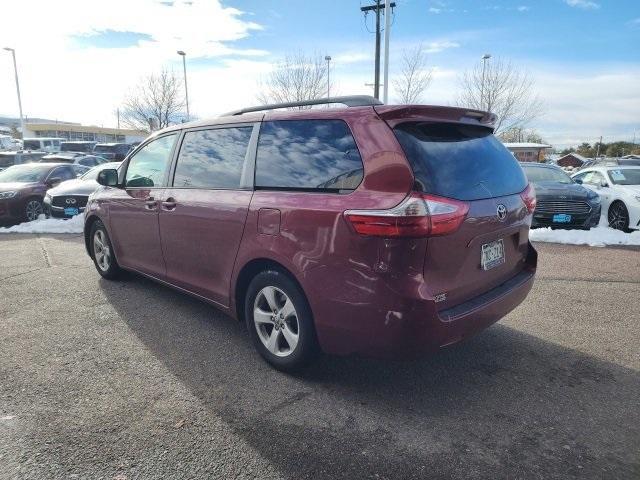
[502, 405]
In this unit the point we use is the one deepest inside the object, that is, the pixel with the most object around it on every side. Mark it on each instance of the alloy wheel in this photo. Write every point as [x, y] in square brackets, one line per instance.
[276, 321]
[33, 210]
[618, 217]
[101, 250]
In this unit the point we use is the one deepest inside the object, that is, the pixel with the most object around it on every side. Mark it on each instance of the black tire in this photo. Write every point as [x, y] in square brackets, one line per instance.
[33, 208]
[618, 216]
[109, 269]
[306, 349]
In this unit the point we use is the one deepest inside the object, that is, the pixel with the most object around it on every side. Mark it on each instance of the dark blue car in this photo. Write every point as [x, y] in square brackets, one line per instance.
[562, 203]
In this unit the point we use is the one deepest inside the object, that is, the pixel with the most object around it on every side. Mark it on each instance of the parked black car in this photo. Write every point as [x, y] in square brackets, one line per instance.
[22, 188]
[112, 151]
[561, 202]
[70, 197]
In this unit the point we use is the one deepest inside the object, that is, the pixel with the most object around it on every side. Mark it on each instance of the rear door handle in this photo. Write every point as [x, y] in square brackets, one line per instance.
[169, 204]
[150, 203]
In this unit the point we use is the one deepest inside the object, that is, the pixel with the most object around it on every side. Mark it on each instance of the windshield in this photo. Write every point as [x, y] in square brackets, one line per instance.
[546, 174]
[24, 173]
[31, 145]
[76, 147]
[104, 148]
[627, 176]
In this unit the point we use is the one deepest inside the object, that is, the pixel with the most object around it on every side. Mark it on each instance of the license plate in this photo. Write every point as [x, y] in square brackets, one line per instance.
[492, 254]
[71, 211]
[561, 218]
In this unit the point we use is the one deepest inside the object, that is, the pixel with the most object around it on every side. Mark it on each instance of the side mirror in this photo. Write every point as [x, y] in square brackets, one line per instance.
[603, 184]
[52, 182]
[578, 181]
[108, 177]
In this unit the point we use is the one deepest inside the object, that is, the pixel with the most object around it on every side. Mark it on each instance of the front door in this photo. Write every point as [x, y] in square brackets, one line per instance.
[204, 209]
[133, 210]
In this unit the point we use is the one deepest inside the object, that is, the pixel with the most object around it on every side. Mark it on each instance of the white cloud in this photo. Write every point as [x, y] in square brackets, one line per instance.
[586, 4]
[523, 8]
[439, 46]
[351, 57]
[63, 77]
[582, 106]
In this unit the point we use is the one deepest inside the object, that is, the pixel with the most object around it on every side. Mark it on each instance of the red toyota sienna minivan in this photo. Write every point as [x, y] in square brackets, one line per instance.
[373, 229]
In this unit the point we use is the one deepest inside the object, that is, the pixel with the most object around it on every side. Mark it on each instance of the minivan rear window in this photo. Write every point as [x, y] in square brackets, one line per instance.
[465, 162]
[308, 155]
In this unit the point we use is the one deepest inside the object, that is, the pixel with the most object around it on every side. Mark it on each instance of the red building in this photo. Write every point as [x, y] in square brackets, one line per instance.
[571, 160]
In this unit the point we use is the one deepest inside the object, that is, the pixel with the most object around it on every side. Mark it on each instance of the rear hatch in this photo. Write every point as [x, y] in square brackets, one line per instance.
[463, 161]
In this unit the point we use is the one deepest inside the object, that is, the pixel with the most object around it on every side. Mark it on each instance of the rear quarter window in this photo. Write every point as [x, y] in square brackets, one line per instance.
[308, 155]
[464, 162]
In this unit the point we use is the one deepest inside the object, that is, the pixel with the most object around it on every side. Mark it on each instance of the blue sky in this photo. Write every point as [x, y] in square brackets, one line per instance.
[583, 55]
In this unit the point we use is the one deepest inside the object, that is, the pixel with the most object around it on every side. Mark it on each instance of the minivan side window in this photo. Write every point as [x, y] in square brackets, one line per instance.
[307, 155]
[212, 158]
[148, 166]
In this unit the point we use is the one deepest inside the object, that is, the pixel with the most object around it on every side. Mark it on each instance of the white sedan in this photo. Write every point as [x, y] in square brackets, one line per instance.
[619, 190]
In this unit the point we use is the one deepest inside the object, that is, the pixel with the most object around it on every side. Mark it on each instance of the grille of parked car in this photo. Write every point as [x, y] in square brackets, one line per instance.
[79, 201]
[563, 206]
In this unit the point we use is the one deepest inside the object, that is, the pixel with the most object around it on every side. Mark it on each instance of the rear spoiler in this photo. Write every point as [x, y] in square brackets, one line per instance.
[396, 114]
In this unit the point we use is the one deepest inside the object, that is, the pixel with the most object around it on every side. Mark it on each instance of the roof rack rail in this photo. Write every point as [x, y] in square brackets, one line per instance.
[349, 101]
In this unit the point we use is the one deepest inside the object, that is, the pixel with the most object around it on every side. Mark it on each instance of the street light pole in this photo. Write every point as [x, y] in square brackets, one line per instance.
[186, 90]
[485, 57]
[15, 71]
[328, 59]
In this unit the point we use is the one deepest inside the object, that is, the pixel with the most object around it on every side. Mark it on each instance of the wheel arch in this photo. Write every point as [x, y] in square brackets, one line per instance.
[250, 270]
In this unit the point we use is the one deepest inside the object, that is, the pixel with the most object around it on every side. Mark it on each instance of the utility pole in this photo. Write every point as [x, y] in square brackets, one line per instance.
[118, 114]
[387, 34]
[377, 8]
[15, 71]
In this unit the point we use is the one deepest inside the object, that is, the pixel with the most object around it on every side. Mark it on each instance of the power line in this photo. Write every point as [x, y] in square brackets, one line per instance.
[378, 8]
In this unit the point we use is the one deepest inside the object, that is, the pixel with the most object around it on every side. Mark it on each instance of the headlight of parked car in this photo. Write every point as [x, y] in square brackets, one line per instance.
[638, 198]
[7, 194]
[47, 197]
[595, 199]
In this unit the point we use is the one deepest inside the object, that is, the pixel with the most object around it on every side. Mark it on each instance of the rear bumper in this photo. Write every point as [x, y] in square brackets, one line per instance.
[411, 328]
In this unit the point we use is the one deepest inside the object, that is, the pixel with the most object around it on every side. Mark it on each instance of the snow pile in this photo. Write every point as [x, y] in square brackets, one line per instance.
[48, 225]
[596, 237]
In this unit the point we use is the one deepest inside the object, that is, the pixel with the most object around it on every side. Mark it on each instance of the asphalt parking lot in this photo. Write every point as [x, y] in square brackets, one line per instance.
[133, 380]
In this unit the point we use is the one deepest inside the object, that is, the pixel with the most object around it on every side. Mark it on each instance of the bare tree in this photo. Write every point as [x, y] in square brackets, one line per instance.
[505, 90]
[519, 134]
[414, 78]
[297, 77]
[155, 103]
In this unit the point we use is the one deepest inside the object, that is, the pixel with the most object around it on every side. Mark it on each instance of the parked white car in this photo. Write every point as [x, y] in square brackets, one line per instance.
[619, 189]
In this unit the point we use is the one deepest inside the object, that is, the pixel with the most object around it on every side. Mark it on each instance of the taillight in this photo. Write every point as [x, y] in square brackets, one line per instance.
[528, 196]
[419, 215]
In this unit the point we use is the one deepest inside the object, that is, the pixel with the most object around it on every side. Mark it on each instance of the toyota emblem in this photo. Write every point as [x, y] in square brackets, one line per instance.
[70, 201]
[501, 212]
